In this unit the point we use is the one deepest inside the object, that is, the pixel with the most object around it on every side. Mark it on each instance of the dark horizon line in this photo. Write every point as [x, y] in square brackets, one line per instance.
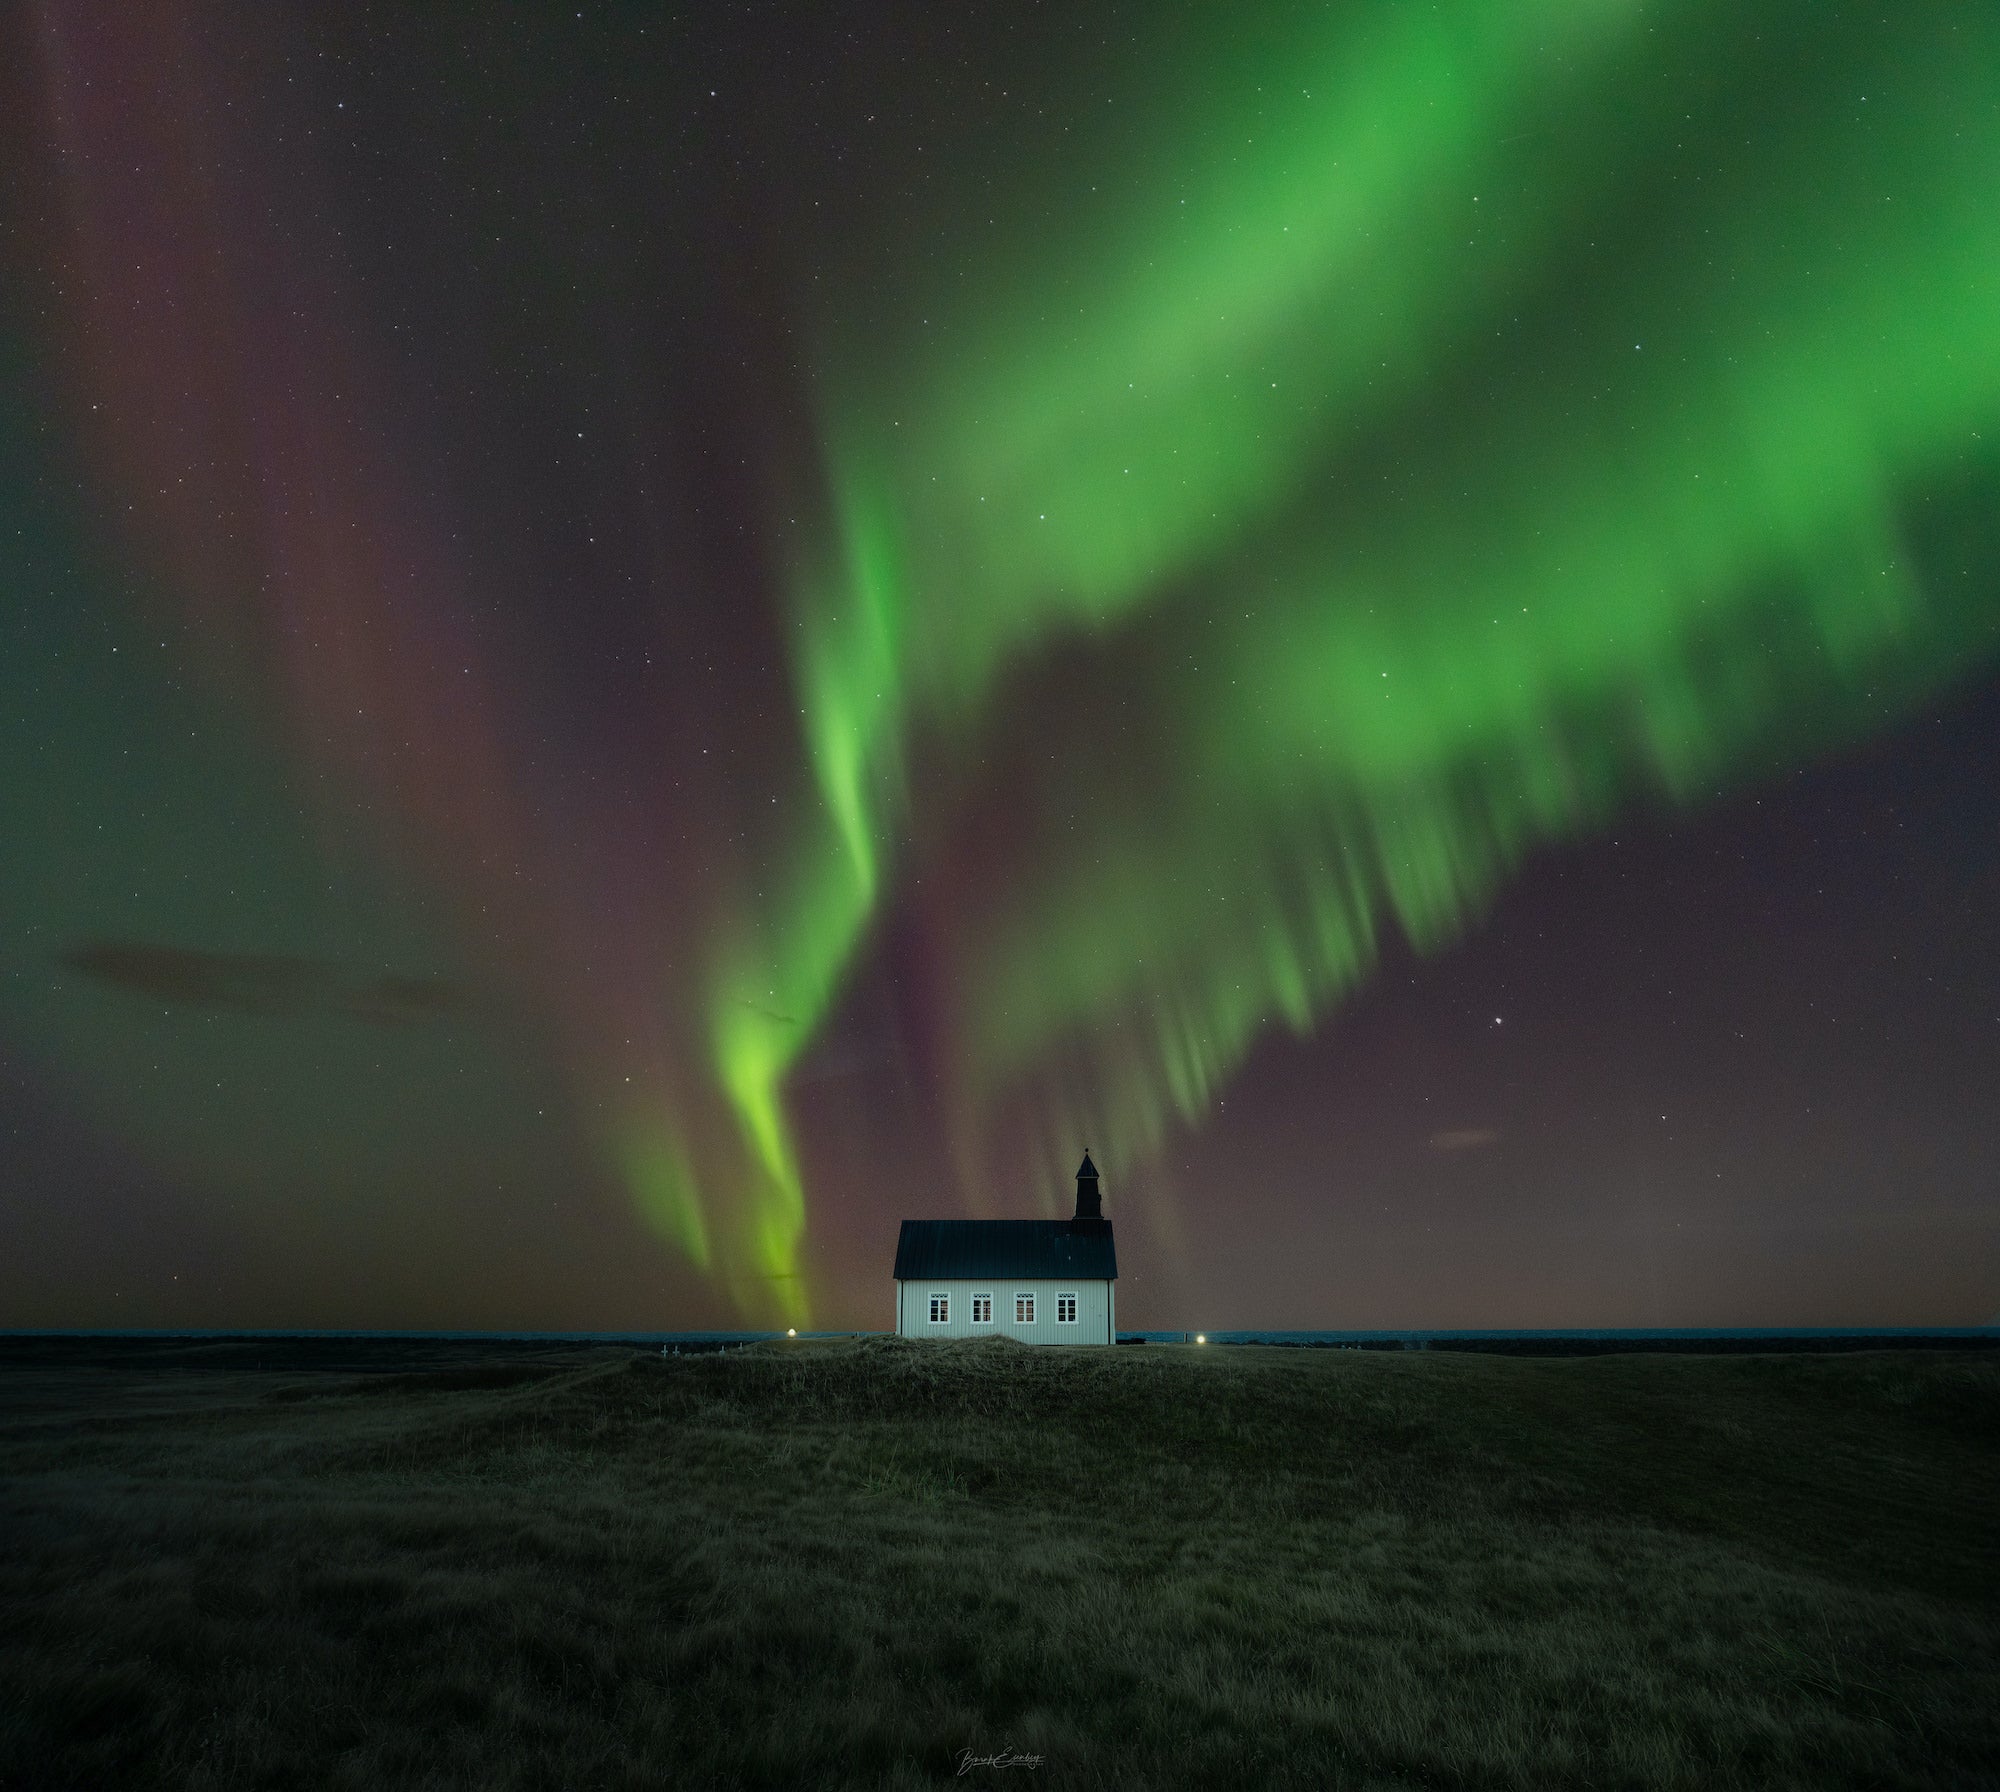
[1238, 1335]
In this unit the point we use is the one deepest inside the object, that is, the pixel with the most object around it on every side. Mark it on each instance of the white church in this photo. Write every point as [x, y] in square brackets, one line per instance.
[1041, 1281]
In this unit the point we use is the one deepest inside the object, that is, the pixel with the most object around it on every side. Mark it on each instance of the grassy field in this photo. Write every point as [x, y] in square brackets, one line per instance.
[847, 1564]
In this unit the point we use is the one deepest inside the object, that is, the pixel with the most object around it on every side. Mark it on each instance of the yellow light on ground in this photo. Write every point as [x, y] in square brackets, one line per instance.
[1201, 1337]
[791, 1331]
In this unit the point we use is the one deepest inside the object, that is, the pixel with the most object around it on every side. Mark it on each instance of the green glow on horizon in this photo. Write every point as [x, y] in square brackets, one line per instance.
[658, 1172]
[774, 985]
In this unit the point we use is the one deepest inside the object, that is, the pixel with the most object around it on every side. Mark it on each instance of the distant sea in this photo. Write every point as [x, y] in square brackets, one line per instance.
[388, 1349]
[1604, 1342]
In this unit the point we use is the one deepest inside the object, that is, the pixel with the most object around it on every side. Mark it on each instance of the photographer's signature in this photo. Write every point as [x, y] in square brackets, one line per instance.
[967, 1760]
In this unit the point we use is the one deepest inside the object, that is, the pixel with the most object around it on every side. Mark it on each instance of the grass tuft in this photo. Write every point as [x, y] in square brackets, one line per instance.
[844, 1564]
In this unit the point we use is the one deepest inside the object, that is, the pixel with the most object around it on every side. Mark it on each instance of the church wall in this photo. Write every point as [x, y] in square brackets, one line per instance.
[1094, 1310]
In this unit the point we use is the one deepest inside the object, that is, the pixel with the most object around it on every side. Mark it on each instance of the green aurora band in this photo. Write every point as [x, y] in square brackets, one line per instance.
[1440, 428]
[1263, 482]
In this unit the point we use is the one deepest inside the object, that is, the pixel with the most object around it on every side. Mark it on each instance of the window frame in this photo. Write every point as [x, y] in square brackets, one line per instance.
[1068, 1297]
[1021, 1299]
[987, 1297]
[940, 1306]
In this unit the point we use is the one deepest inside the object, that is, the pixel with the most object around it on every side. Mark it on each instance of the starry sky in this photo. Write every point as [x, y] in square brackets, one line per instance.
[637, 641]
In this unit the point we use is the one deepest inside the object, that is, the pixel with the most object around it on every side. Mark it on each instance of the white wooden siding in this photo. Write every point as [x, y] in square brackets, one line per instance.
[1096, 1310]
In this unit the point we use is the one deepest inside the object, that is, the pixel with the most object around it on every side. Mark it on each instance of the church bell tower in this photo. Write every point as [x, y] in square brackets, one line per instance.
[1089, 1208]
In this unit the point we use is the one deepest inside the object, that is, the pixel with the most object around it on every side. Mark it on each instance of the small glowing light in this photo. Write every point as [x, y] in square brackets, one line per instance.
[791, 1331]
[1201, 1337]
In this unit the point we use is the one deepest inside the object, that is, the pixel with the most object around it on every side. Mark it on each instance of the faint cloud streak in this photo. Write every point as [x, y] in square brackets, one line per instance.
[267, 984]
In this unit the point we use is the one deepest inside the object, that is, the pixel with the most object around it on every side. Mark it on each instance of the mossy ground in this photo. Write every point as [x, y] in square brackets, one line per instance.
[845, 1564]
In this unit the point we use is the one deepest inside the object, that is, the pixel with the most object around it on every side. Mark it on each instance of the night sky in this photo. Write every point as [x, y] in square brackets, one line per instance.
[635, 642]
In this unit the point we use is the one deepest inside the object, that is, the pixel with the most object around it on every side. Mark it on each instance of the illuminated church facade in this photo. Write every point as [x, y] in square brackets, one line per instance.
[1038, 1281]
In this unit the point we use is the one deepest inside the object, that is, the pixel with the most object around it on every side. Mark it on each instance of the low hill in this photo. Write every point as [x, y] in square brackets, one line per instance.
[874, 1563]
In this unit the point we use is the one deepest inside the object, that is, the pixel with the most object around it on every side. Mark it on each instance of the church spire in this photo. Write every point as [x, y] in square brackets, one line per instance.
[1087, 1204]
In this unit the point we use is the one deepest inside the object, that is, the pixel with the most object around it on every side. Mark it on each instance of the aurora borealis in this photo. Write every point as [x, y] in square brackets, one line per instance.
[638, 643]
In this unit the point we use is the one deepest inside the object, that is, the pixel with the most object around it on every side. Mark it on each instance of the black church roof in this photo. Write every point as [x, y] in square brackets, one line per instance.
[1051, 1250]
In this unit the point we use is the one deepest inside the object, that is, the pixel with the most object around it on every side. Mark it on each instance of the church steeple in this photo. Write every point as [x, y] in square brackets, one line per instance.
[1088, 1206]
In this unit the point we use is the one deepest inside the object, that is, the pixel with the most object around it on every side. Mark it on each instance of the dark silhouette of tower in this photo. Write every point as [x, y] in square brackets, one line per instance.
[1089, 1210]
